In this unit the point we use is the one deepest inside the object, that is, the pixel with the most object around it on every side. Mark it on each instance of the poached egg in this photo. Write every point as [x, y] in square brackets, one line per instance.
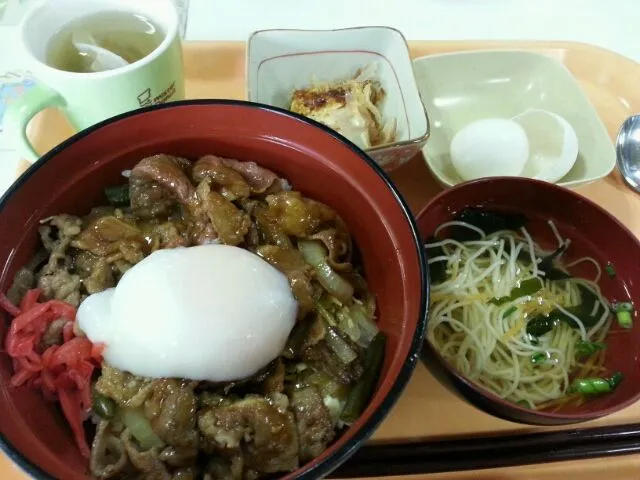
[490, 147]
[209, 312]
[536, 144]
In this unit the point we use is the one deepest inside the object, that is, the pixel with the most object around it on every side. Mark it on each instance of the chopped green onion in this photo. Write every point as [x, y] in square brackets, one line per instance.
[339, 346]
[590, 386]
[538, 358]
[585, 349]
[315, 254]
[610, 270]
[623, 307]
[624, 311]
[595, 386]
[365, 323]
[624, 319]
[360, 394]
[509, 311]
[140, 428]
[615, 380]
[524, 403]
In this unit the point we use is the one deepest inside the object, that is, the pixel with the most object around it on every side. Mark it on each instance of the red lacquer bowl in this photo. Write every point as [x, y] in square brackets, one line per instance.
[318, 162]
[593, 232]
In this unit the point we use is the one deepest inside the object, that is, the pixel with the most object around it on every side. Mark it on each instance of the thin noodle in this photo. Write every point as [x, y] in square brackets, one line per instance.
[488, 342]
[459, 224]
[556, 233]
[534, 261]
[583, 331]
[593, 262]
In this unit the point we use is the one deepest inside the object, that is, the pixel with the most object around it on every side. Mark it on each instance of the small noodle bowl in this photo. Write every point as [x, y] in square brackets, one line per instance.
[318, 162]
[592, 233]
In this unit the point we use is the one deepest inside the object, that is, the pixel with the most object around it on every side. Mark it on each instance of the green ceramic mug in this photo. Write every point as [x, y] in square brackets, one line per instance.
[88, 98]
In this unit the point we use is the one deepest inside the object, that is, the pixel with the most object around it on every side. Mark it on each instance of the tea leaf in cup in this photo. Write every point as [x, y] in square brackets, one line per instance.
[103, 41]
[101, 58]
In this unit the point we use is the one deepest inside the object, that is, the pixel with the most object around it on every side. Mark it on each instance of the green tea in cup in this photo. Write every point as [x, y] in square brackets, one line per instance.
[103, 41]
[94, 59]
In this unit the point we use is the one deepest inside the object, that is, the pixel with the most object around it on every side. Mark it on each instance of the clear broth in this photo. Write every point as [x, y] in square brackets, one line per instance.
[131, 36]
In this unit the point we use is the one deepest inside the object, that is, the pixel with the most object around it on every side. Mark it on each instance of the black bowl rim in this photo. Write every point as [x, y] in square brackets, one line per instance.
[475, 393]
[328, 465]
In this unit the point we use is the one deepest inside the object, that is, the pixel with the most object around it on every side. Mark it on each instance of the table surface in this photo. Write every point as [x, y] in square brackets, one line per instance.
[611, 24]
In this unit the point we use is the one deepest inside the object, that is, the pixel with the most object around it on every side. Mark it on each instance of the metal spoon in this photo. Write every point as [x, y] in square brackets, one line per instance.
[628, 151]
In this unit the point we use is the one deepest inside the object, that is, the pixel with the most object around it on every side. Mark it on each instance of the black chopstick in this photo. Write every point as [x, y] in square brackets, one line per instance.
[490, 452]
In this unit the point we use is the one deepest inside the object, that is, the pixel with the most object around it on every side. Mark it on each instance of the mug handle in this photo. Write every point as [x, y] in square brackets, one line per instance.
[20, 112]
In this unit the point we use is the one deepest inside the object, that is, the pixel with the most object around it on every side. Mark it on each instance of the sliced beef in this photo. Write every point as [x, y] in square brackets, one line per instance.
[126, 389]
[297, 215]
[259, 178]
[225, 468]
[266, 435]
[101, 277]
[274, 382]
[291, 263]
[169, 235]
[230, 223]
[146, 462]
[158, 183]
[55, 278]
[178, 456]
[58, 231]
[61, 285]
[103, 236]
[338, 243]
[108, 456]
[268, 230]
[171, 407]
[189, 473]
[23, 281]
[313, 422]
[228, 181]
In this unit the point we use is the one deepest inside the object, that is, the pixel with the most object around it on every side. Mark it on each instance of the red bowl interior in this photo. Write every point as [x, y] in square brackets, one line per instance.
[71, 178]
[593, 232]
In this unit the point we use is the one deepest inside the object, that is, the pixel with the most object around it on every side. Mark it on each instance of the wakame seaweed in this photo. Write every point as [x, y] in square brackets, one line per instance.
[526, 287]
[547, 265]
[487, 221]
[541, 324]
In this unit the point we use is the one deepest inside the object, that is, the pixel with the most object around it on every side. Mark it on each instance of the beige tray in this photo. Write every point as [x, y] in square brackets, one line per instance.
[427, 410]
